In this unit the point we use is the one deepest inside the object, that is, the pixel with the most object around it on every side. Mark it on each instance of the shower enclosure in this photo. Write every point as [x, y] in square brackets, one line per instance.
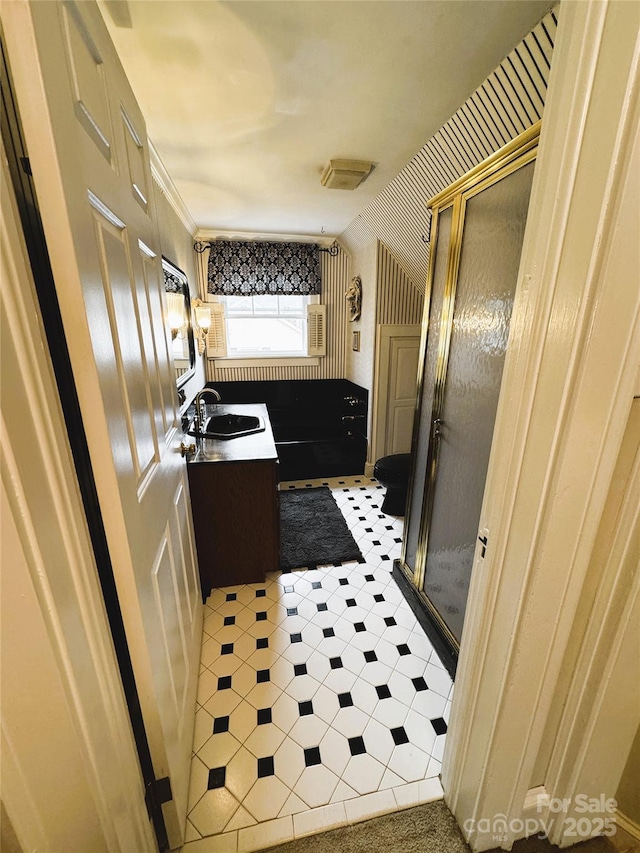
[476, 240]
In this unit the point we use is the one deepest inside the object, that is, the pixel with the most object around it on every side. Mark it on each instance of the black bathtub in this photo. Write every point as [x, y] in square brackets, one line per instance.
[319, 425]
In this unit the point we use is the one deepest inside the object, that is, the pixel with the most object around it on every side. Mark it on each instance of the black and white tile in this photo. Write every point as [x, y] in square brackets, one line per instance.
[320, 699]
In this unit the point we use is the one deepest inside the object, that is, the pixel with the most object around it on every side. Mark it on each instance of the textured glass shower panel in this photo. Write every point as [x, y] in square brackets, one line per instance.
[414, 511]
[491, 246]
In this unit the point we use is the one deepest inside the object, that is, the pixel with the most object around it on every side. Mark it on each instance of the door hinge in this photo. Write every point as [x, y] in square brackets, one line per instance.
[158, 792]
[26, 166]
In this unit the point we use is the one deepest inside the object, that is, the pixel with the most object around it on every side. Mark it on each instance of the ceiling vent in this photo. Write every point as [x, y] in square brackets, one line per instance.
[345, 174]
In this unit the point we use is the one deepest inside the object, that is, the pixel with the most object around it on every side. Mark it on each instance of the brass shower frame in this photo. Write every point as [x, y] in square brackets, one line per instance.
[513, 156]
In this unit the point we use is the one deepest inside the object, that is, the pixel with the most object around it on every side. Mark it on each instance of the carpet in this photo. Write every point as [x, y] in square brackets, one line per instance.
[313, 531]
[429, 828]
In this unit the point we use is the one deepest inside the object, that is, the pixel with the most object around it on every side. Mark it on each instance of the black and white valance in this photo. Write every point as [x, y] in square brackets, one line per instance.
[254, 269]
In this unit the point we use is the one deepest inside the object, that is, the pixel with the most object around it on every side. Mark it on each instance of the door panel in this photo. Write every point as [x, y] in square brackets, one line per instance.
[135, 162]
[405, 359]
[401, 429]
[185, 556]
[403, 380]
[155, 347]
[120, 306]
[422, 429]
[91, 168]
[477, 348]
[89, 86]
[171, 657]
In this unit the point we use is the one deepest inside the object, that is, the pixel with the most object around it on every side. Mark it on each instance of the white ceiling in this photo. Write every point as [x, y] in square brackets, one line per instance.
[247, 100]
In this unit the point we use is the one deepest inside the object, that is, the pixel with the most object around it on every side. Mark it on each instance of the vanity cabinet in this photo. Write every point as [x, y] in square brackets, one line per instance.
[235, 504]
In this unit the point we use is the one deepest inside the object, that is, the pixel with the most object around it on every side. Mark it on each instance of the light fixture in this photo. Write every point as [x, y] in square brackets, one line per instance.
[175, 316]
[202, 317]
[345, 174]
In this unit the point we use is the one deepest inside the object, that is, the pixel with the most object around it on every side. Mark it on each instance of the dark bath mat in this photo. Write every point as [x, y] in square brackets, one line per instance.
[313, 531]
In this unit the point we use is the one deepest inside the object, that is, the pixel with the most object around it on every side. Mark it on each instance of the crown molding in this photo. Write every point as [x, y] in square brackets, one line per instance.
[168, 188]
[206, 234]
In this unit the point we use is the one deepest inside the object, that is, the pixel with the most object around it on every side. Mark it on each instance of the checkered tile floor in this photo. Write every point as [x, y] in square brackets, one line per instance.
[320, 699]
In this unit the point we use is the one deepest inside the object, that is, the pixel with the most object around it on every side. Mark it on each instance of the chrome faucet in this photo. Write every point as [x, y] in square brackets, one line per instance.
[200, 405]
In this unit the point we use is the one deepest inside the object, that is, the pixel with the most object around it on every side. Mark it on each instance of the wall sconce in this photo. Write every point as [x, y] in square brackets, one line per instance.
[175, 317]
[202, 317]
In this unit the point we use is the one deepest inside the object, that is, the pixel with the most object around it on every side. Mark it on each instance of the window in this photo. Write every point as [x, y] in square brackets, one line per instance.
[267, 326]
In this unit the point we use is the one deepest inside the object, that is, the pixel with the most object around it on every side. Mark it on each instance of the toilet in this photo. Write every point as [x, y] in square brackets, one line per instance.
[393, 472]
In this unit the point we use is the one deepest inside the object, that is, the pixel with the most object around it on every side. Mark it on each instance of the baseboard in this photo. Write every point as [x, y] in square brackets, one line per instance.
[630, 826]
[535, 800]
[534, 811]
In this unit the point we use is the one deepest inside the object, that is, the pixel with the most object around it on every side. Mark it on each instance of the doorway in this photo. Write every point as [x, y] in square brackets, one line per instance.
[397, 350]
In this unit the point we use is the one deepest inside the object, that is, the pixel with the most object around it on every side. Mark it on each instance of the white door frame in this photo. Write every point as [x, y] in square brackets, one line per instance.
[569, 382]
[384, 333]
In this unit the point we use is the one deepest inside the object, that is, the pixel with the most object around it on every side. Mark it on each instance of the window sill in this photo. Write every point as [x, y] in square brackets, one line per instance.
[266, 361]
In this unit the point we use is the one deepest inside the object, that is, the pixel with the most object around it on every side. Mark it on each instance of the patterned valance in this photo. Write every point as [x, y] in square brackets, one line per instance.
[248, 269]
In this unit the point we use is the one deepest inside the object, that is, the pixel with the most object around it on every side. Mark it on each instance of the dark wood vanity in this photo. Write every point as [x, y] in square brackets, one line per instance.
[235, 503]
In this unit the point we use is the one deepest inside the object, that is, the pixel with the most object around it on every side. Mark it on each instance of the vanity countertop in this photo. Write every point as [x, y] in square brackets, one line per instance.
[242, 448]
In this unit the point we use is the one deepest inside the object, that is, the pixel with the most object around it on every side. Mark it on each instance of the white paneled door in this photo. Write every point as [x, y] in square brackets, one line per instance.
[398, 348]
[403, 384]
[89, 156]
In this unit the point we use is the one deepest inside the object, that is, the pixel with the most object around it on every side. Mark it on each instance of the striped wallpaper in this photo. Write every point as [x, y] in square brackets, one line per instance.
[332, 366]
[397, 300]
[509, 101]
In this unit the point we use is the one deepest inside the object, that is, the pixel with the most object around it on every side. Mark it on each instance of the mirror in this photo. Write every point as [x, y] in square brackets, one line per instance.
[183, 349]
